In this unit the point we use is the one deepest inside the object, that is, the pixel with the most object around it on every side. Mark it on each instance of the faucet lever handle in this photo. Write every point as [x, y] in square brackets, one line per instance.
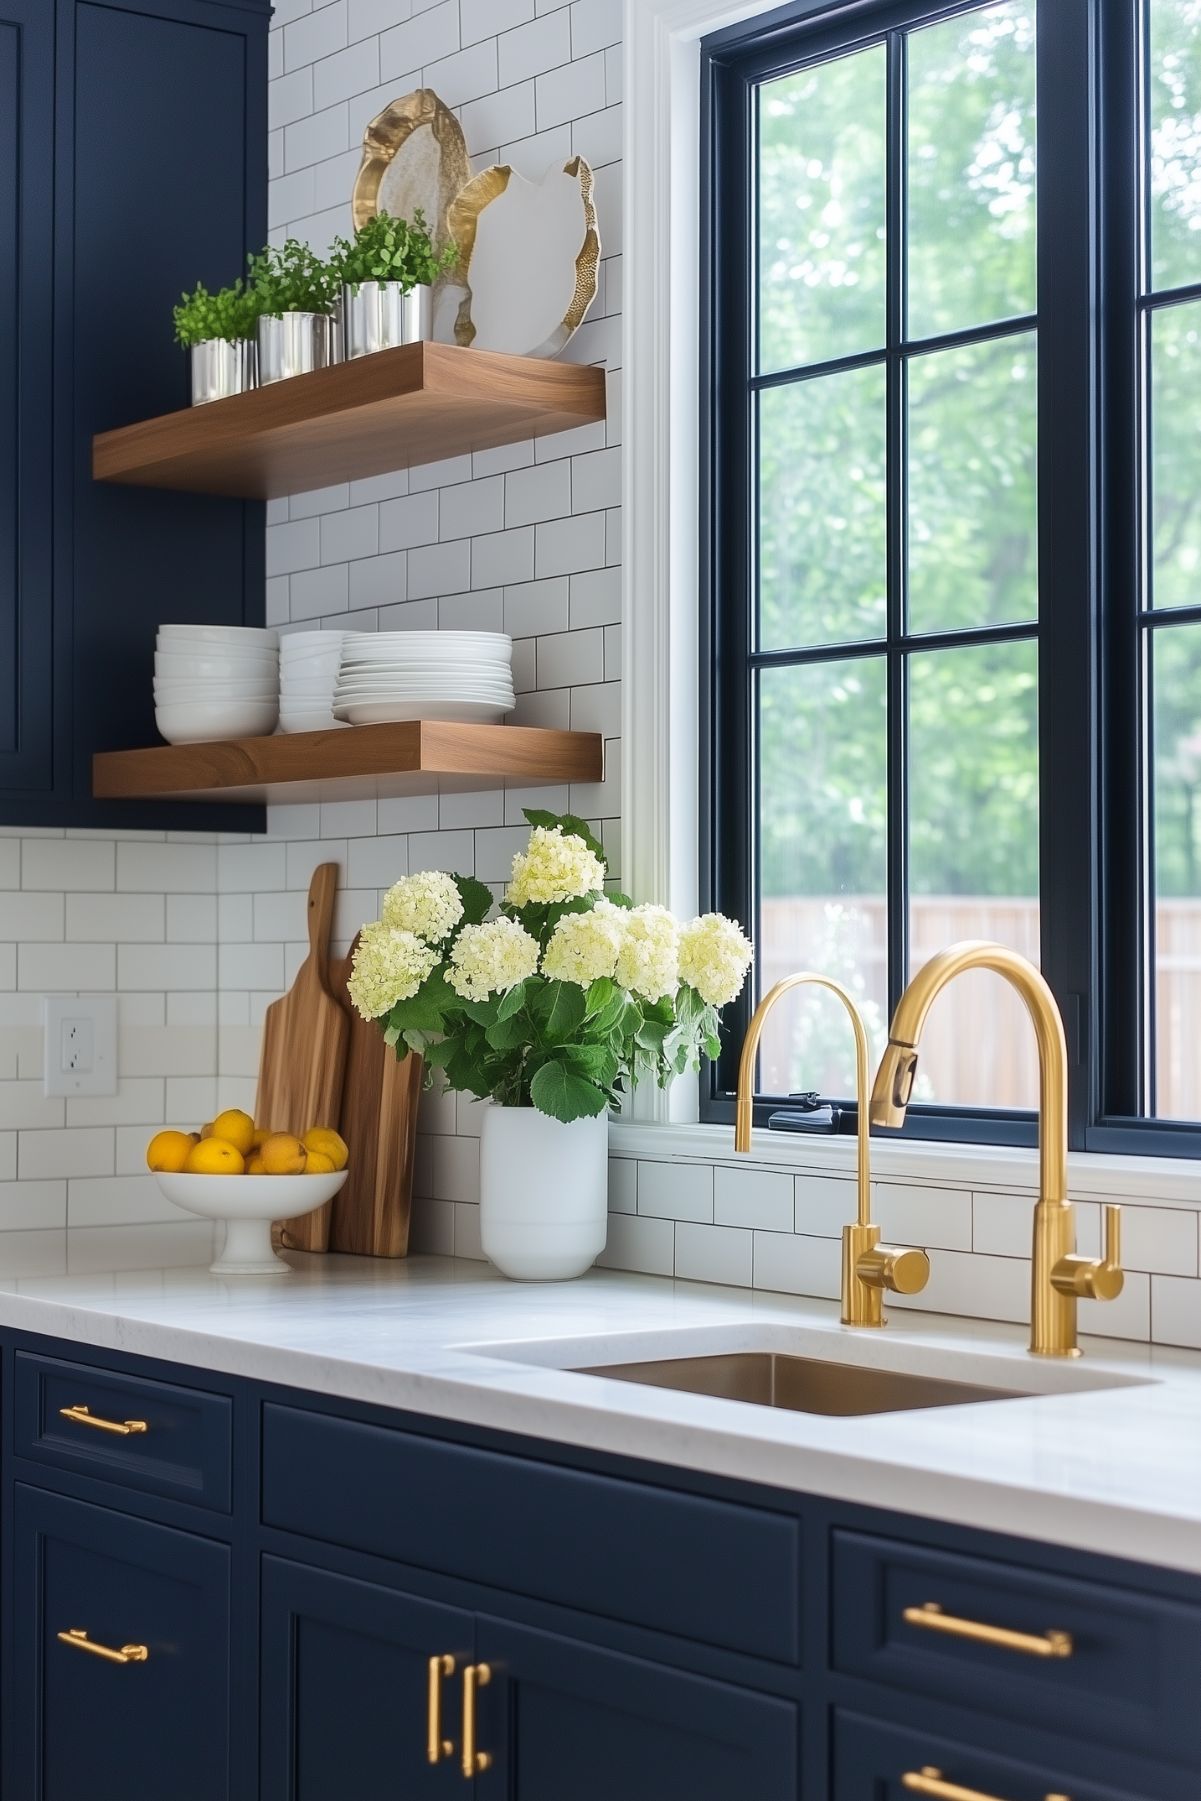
[1095, 1278]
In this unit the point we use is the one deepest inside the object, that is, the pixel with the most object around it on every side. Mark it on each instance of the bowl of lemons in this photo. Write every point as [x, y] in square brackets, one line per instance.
[235, 1172]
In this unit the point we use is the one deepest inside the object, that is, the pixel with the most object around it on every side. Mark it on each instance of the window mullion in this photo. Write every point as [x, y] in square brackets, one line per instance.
[898, 773]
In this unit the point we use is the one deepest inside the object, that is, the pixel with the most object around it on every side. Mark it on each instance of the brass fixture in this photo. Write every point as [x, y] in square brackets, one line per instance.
[78, 1639]
[475, 1677]
[1058, 1277]
[437, 1747]
[929, 1781]
[868, 1267]
[931, 1617]
[83, 1416]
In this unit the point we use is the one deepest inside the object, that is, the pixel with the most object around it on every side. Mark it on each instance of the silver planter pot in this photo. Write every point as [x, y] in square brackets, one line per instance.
[221, 368]
[379, 315]
[294, 344]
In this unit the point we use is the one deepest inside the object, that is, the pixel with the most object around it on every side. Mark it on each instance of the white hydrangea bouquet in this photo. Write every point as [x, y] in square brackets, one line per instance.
[565, 999]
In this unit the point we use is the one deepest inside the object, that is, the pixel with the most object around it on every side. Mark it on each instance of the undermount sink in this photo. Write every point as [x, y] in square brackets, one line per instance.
[801, 1384]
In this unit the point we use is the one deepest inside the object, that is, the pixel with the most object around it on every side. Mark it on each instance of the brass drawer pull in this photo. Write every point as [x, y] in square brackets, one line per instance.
[437, 1747]
[929, 1781]
[78, 1639]
[931, 1617]
[83, 1416]
[475, 1677]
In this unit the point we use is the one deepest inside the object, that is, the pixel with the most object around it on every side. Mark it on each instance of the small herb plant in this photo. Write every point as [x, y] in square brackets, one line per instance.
[230, 313]
[291, 278]
[388, 249]
[564, 999]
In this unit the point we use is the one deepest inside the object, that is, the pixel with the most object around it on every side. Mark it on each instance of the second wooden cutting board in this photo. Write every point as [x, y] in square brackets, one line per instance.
[302, 1065]
[370, 1214]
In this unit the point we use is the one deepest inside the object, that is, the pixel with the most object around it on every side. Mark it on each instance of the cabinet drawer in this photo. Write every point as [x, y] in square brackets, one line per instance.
[1128, 1678]
[184, 1450]
[872, 1760]
[150, 1721]
[707, 1570]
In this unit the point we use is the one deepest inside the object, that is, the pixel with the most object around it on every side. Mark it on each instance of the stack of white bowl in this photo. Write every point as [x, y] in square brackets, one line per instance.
[389, 676]
[308, 674]
[215, 681]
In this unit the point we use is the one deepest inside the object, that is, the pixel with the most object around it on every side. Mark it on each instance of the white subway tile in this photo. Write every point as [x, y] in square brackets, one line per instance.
[440, 569]
[1176, 1311]
[379, 581]
[310, 140]
[465, 75]
[54, 864]
[543, 492]
[925, 1216]
[10, 862]
[366, 18]
[1129, 1316]
[377, 862]
[456, 1169]
[192, 1098]
[484, 18]
[433, 1227]
[447, 473]
[974, 1286]
[158, 966]
[567, 93]
[494, 118]
[495, 849]
[646, 1246]
[503, 558]
[533, 156]
[138, 1101]
[316, 593]
[291, 97]
[67, 968]
[166, 868]
[117, 1201]
[78, 1151]
[595, 708]
[503, 458]
[191, 919]
[408, 813]
[536, 607]
[752, 1197]
[29, 915]
[551, 711]
[315, 35]
[481, 610]
[278, 917]
[296, 545]
[169, 1050]
[25, 1108]
[568, 658]
[563, 546]
[410, 616]
[1160, 1239]
[423, 39]
[354, 533]
[97, 918]
[623, 1185]
[676, 1190]
[32, 1206]
[289, 201]
[530, 49]
[474, 807]
[472, 507]
[596, 481]
[467, 1231]
[598, 139]
[823, 1205]
[790, 1263]
[713, 1254]
[348, 819]
[347, 74]
[245, 868]
[595, 24]
[453, 852]
[595, 598]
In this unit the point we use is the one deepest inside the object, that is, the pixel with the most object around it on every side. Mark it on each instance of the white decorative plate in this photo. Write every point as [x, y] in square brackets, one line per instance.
[530, 252]
[389, 712]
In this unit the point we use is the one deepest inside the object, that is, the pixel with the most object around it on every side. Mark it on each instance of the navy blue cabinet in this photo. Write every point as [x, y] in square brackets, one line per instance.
[134, 1699]
[141, 132]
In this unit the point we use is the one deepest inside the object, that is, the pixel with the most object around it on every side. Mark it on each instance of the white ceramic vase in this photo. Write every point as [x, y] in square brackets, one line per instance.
[543, 1193]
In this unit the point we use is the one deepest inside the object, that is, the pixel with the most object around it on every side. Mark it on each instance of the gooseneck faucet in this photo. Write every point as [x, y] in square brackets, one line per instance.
[868, 1267]
[1059, 1277]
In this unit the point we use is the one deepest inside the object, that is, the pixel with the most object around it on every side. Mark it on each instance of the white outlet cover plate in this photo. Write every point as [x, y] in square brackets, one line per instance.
[81, 1044]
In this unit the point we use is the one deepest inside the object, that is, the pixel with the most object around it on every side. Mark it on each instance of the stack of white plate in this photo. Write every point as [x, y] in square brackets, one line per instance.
[308, 674]
[215, 681]
[388, 676]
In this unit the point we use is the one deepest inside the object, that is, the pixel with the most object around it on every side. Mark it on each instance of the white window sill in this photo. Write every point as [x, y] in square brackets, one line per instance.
[1008, 1169]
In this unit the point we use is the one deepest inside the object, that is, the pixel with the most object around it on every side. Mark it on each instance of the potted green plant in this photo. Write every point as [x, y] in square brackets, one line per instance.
[294, 290]
[219, 331]
[386, 278]
[552, 1009]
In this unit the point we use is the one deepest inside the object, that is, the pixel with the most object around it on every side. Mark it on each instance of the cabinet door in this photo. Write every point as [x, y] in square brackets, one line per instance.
[26, 326]
[85, 1724]
[345, 1689]
[563, 1721]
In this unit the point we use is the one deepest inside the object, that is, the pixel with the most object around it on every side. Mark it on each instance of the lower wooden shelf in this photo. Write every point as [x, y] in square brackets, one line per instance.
[359, 762]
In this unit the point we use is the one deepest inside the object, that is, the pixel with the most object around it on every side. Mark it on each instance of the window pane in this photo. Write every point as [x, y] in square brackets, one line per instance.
[821, 211]
[823, 836]
[973, 860]
[822, 514]
[973, 480]
[971, 159]
[1176, 456]
[1174, 124]
[1176, 872]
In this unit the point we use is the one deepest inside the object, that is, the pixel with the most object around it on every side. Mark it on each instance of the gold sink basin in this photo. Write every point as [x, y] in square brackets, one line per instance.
[800, 1384]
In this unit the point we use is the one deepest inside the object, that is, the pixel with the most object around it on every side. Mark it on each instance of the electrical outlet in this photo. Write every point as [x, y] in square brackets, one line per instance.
[81, 1044]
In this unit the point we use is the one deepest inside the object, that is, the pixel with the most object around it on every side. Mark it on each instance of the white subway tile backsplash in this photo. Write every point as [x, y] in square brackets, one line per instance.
[68, 863]
[465, 75]
[503, 559]
[347, 74]
[790, 1263]
[542, 492]
[713, 1254]
[752, 1197]
[67, 968]
[485, 18]
[530, 49]
[423, 39]
[1176, 1311]
[676, 1190]
[623, 1185]
[26, 915]
[440, 569]
[637, 1243]
[109, 917]
[78, 1151]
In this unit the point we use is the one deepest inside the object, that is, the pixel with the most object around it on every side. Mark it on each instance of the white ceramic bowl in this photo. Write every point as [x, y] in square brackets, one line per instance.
[311, 722]
[395, 712]
[175, 688]
[214, 667]
[296, 644]
[202, 722]
[247, 1205]
[223, 636]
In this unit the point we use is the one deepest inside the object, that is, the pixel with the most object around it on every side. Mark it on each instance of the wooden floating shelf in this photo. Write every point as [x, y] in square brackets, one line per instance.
[355, 763]
[393, 410]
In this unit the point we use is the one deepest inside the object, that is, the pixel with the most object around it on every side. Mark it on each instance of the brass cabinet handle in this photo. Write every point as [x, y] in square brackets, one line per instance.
[929, 1781]
[78, 1639]
[475, 1676]
[931, 1617]
[83, 1416]
[437, 1747]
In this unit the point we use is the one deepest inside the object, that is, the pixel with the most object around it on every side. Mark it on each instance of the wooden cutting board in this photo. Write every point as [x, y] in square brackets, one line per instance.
[302, 1064]
[371, 1211]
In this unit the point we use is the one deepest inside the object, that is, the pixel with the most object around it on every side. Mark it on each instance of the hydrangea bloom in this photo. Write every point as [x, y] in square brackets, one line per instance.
[490, 958]
[715, 955]
[648, 962]
[389, 966]
[427, 904]
[583, 946]
[557, 866]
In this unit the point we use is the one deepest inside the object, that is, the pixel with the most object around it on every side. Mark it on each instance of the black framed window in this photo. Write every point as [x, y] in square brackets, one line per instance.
[952, 502]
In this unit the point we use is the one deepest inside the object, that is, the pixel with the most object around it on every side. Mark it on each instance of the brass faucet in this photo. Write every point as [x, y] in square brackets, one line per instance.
[868, 1267]
[1059, 1278]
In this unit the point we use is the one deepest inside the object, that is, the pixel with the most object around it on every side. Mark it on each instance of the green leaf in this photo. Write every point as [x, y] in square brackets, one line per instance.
[593, 1060]
[600, 994]
[476, 899]
[556, 1090]
[505, 1034]
[512, 1001]
[560, 1006]
[438, 1052]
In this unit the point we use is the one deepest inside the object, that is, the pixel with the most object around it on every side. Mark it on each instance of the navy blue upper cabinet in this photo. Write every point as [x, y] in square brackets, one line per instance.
[143, 132]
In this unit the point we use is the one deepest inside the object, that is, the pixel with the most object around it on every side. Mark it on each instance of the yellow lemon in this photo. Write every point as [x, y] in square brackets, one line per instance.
[207, 1131]
[254, 1165]
[283, 1155]
[260, 1136]
[168, 1150]
[318, 1164]
[236, 1128]
[327, 1143]
[214, 1157]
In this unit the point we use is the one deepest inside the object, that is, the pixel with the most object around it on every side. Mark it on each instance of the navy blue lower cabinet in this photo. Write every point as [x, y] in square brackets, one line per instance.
[566, 1721]
[137, 1704]
[347, 1703]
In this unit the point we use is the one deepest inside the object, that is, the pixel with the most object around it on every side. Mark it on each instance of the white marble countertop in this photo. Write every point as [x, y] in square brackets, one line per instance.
[1105, 1455]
